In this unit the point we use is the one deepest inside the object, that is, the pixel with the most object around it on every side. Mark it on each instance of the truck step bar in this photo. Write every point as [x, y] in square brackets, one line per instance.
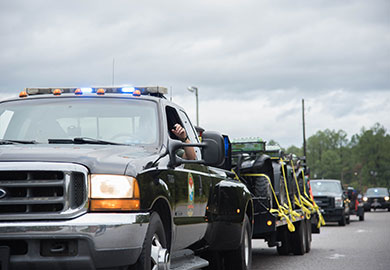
[186, 260]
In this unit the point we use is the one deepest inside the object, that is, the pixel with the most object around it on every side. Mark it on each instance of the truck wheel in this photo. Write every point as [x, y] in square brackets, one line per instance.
[308, 235]
[298, 243]
[342, 221]
[241, 258]
[263, 189]
[155, 254]
[284, 238]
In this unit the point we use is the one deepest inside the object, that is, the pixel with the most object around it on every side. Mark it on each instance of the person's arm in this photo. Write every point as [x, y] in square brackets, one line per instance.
[181, 134]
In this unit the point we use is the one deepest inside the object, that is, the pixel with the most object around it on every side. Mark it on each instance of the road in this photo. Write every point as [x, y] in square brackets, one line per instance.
[359, 245]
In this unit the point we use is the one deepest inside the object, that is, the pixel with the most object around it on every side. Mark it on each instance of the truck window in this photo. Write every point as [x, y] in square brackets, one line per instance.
[191, 133]
[174, 118]
[118, 120]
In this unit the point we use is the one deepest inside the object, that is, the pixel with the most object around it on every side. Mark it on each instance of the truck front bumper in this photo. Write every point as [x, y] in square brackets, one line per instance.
[332, 214]
[91, 241]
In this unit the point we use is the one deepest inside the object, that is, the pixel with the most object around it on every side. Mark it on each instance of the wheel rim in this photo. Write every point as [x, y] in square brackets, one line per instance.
[246, 248]
[159, 255]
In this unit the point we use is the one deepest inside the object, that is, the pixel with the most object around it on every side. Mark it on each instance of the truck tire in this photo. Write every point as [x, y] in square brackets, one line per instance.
[241, 258]
[343, 220]
[284, 238]
[155, 254]
[298, 238]
[263, 189]
[308, 235]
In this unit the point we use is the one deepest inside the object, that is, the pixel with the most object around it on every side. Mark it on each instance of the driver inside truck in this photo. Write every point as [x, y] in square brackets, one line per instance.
[181, 134]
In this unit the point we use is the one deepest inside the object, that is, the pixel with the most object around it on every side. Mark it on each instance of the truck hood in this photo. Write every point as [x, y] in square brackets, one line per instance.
[104, 159]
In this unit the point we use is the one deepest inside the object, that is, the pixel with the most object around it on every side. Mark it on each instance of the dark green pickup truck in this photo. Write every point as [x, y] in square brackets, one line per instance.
[90, 178]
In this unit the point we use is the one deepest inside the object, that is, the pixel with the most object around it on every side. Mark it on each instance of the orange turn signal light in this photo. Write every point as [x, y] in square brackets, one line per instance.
[23, 94]
[269, 222]
[57, 92]
[100, 91]
[114, 204]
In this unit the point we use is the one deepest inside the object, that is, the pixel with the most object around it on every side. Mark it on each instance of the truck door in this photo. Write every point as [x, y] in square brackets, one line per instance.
[191, 189]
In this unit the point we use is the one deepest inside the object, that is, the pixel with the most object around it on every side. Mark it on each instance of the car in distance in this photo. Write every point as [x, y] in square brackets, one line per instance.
[376, 198]
[329, 195]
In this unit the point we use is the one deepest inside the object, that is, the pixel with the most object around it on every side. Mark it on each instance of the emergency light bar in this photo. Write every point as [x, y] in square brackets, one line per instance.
[135, 91]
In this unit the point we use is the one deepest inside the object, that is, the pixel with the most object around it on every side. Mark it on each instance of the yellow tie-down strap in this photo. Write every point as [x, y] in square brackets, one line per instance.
[292, 212]
[282, 211]
[307, 200]
[299, 200]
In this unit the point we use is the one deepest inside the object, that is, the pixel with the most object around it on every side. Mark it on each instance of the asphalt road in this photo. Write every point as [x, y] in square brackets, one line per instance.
[359, 245]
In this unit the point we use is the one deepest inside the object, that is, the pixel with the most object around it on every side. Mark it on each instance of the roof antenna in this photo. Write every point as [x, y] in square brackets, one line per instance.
[113, 71]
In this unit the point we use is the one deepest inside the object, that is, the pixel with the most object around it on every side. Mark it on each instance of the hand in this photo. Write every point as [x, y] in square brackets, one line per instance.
[180, 132]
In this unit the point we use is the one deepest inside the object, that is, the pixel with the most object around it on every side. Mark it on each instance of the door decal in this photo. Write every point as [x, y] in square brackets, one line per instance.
[191, 195]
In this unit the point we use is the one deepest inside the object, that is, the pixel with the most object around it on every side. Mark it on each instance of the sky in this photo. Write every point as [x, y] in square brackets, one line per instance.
[253, 61]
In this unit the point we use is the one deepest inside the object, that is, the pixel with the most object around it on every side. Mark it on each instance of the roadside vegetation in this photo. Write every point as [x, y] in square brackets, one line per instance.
[362, 161]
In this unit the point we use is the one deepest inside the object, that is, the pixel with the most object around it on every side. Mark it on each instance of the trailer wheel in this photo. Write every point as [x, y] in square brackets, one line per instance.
[241, 258]
[284, 238]
[298, 243]
[308, 235]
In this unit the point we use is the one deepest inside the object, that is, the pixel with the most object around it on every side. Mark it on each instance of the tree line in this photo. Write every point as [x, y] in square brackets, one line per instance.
[361, 162]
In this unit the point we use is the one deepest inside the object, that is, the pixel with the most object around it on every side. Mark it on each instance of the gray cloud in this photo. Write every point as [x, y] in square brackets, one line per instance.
[272, 51]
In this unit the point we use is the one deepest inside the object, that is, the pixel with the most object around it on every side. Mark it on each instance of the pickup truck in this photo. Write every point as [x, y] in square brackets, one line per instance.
[93, 178]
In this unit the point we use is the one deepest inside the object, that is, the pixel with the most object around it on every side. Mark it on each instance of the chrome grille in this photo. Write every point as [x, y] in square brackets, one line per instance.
[42, 190]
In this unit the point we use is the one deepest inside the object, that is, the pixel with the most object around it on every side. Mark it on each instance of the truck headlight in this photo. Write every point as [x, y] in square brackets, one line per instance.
[387, 198]
[338, 202]
[114, 193]
[365, 199]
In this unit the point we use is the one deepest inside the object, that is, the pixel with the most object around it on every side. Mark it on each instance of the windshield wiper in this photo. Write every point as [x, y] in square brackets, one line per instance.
[17, 142]
[82, 140]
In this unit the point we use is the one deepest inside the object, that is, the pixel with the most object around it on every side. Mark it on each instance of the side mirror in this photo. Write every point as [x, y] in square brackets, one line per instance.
[212, 147]
[214, 151]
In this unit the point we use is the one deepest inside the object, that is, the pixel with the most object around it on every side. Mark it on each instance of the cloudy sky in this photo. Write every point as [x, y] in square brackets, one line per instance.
[253, 61]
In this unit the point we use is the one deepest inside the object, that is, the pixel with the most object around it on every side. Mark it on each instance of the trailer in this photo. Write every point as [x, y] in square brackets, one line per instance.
[285, 215]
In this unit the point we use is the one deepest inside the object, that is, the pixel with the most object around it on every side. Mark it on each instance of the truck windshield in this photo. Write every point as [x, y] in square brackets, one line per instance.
[322, 187]
[377, 191]
[122, 121]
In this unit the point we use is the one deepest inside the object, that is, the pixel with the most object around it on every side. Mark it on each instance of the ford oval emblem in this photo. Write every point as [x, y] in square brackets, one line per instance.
[3, 193]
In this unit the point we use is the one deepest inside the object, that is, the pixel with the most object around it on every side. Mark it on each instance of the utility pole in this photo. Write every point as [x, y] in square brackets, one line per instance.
[303, 126]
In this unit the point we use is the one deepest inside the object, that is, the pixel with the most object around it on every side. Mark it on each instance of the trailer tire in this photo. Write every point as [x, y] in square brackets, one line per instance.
[308, 235]
[284, 238]
[298, 243]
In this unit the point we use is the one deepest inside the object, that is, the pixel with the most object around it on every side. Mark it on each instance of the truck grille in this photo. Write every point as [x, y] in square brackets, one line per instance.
[324, 201]
[42, 190]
